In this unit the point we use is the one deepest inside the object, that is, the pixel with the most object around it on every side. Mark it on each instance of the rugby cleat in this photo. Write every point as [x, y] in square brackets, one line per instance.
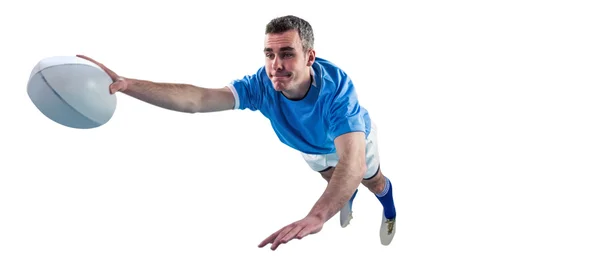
[346, 212]
[387, 230]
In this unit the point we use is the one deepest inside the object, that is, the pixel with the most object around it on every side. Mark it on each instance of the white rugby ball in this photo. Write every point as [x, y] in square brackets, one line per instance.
[72, 91]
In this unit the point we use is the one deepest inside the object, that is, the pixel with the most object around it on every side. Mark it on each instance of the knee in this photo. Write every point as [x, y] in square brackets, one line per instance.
[327, 173]
[376, 184]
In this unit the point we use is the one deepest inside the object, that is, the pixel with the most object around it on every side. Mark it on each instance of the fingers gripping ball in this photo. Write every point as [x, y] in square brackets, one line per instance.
[72, 91]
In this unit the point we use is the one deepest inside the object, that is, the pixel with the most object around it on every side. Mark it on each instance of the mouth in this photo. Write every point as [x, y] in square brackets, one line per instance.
[282, 75]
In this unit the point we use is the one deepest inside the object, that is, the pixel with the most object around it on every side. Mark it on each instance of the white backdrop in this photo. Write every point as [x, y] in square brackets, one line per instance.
[488, 118]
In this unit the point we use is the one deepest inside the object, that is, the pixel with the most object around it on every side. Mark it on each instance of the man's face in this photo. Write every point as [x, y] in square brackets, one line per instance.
[285, 61]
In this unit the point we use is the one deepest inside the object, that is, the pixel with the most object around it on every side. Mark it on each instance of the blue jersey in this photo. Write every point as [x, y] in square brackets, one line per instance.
[310, 125]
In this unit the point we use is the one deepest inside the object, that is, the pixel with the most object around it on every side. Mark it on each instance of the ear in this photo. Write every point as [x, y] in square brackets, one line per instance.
[311, 56]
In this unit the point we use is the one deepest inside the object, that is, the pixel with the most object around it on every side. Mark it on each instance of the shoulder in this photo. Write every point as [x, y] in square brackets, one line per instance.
[330, 71]
[343, 111]
[250, 89]
[332, 78]
[257, 82]
[256, 78]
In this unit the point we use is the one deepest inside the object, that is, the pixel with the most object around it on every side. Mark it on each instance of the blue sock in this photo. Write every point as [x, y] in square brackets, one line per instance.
[387, 200]
[352, 199]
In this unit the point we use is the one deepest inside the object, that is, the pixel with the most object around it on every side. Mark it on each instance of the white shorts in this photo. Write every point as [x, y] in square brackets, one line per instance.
[321, 163]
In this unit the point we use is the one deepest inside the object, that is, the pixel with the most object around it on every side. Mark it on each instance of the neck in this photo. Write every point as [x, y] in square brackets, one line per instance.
[300, 90]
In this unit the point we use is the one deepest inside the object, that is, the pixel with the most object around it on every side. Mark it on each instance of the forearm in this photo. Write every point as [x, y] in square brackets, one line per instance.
[177, 97]
[344, 181]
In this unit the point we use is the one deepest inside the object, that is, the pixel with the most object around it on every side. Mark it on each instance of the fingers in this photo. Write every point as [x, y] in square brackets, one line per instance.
[86, 57]
[304, 232]
[289, 230]
[270, 239]
[293, 233]
[92, 60]
[298, 229]
[113, 88]
[119, 85]
[110, 73]
[284, 235]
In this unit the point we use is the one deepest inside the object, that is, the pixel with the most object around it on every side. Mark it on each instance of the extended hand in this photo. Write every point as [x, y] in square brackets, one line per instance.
[119, 83]
[298, 229]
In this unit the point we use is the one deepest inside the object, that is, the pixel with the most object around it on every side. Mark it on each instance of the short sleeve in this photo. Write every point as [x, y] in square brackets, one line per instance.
[345, 113]
[247, 92]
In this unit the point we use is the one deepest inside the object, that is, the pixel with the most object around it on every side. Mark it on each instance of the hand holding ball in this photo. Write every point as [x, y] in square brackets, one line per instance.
[74, 91]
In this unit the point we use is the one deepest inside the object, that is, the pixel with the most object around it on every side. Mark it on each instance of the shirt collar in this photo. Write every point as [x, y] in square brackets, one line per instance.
[313, 82]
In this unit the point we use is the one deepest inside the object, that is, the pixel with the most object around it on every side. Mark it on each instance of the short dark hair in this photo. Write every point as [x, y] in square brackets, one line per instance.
[290, 22]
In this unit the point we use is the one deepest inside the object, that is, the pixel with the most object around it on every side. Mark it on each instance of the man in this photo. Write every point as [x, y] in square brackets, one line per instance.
[312, 106]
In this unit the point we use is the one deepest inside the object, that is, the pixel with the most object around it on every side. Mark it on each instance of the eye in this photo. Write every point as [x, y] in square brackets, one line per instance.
[288, 55]
[269, 55]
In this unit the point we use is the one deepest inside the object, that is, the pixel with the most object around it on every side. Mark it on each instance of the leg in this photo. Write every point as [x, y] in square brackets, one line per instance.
[375, 183]
[381, 187]
[327, 173]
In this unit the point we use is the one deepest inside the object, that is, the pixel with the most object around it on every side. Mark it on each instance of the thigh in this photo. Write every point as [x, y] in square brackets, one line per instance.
[320, 163]
[327, 173]
[372, 154]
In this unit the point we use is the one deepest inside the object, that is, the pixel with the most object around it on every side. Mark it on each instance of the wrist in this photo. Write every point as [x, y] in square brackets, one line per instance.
[318, 215]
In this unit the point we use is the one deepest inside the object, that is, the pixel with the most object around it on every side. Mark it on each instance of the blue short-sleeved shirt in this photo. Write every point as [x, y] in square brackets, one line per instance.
[310, 125]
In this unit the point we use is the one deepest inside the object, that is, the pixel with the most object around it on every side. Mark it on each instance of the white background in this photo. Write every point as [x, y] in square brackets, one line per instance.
[488, 116]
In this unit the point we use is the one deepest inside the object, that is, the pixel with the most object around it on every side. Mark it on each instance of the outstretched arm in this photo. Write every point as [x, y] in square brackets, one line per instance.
[177, 97]
[180, 97]
[347, 175]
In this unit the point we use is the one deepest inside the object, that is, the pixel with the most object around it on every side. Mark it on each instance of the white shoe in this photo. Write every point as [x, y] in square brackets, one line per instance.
[346, 212]
[387, 230]
[345, 215]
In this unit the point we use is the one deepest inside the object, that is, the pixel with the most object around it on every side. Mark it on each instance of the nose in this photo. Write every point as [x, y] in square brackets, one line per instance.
[276, 64]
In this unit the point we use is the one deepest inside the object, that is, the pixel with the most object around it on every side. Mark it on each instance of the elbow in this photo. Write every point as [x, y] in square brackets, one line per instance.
[192, 103]
[360, 166]
[188, 106]
[356, 170]
[362, 170]
[192, 107]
